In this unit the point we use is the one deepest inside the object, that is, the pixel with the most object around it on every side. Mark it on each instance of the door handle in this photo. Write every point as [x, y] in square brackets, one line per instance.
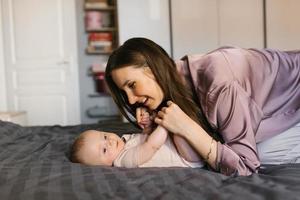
[63, 62]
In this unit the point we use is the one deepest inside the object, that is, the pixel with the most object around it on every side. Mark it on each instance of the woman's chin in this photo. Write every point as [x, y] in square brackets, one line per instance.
[157, 107]
[151, 107]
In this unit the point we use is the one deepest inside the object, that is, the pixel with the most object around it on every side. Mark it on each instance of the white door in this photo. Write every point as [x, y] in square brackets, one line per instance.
[40, 51]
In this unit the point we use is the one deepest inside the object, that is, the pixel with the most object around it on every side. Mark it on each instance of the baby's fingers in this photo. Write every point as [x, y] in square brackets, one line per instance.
[138, 114]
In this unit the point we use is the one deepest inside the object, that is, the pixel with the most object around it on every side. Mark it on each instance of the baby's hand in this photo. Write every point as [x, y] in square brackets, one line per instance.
[144, 119]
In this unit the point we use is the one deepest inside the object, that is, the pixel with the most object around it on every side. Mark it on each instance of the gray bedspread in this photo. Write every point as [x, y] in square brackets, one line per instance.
[34, 165]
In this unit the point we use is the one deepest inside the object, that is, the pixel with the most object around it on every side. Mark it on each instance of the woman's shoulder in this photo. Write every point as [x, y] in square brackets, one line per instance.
[210, 70]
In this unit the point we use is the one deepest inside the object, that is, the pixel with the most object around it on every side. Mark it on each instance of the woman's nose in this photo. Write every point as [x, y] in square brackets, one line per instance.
[132, 98]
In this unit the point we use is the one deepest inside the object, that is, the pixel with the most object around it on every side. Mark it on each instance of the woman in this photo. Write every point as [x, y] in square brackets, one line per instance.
[222, 103]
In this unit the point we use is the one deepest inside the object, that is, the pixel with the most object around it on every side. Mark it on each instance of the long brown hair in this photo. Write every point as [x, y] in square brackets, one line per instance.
[140, 52]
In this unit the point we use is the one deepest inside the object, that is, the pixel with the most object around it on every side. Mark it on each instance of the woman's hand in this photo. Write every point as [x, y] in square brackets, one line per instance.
[173, 119]
[176, 121]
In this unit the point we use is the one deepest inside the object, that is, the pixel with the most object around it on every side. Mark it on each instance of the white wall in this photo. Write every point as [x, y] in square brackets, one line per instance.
[283, 24]
[3, 100]
[195, 26]
[200, 26]
[241, 23]
[146, 18]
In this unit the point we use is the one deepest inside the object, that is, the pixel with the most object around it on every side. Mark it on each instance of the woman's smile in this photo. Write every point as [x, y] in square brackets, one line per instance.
[139, 85]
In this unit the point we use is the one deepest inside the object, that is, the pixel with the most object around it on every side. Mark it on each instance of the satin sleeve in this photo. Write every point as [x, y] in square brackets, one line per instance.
[236, 116]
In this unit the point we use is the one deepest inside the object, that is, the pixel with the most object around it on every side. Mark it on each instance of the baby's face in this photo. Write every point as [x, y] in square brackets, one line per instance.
[100, 148]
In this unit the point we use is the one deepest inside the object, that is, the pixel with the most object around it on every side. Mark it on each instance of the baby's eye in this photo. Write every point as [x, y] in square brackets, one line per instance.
[104, 150]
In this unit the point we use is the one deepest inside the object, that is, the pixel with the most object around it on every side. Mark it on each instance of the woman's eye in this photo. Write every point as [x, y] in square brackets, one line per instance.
[131, 85]
[105, 137]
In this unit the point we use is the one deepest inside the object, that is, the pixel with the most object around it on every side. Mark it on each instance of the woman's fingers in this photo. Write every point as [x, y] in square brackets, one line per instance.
[163, 109]
[158, 121]
[160, 114]
[172, 118]
[169, 103]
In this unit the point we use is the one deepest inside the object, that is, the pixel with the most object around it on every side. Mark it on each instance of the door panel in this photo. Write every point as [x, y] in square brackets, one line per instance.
[37, 29]
[41, 60]
[40, 113]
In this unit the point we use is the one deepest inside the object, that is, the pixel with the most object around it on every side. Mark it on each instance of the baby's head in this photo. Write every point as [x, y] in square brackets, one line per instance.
[96, 148]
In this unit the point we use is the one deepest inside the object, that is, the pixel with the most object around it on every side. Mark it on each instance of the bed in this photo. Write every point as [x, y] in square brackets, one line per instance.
[34, 165]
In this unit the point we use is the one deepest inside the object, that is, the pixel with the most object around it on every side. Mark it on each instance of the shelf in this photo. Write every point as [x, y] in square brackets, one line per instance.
[103, 94]
[109, 29]
[106, 50]
[93, 52]
[99, 7]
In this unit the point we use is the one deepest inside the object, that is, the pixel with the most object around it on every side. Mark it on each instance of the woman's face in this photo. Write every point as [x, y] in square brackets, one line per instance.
[139, 85]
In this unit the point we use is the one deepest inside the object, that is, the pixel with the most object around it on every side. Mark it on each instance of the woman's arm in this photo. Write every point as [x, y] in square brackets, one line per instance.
[189, 130]
[236, 116]
[183, 147]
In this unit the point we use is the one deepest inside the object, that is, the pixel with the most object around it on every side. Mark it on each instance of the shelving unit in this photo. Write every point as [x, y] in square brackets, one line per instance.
[101, 30]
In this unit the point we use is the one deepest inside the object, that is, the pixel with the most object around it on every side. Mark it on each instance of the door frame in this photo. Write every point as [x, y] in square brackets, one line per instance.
[3, 95]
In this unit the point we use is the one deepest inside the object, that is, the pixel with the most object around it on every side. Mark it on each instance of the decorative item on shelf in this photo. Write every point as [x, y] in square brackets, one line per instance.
[99, 77]
[98, 21]
[96, 4]
[100, 42]
[101, 26]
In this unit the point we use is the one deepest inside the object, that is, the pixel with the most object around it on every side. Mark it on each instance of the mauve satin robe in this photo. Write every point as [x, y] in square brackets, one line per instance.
[248, 95]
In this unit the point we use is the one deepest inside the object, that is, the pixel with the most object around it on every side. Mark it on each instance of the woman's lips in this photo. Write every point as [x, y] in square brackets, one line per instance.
[145, 102]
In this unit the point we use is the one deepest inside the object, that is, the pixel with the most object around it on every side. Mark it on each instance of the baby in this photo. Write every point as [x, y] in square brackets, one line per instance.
[155, 149]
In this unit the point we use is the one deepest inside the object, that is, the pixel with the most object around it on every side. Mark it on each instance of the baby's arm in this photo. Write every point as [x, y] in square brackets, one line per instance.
[154, 141]
[185, 149]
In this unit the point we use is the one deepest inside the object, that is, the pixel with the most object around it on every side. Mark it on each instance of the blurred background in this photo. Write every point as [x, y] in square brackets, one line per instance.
[53, 53]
